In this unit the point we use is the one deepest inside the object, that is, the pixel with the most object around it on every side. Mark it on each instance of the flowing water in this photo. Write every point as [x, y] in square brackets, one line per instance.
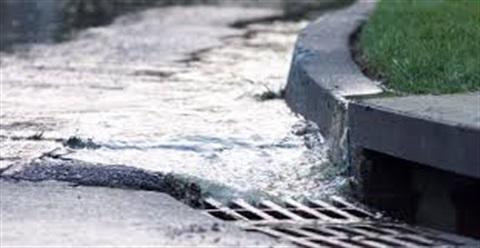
[172, 90]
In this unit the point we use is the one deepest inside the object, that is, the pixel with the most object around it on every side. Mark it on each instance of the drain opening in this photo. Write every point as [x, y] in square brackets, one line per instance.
[347, 231]
[251, 212]
[211, 204]
[249, 215]
[222, 215]
[364, 244]
[376, 243]
[351, 208]
[322, 242]
[417, 240]
[304, 214]
[331, 214]
[277, 215]
[318, 232]
[373, 230]
[338, 210]
[290, 232]
[358, 213]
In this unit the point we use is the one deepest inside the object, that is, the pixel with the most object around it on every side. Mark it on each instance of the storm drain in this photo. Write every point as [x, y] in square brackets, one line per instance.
[336, 223]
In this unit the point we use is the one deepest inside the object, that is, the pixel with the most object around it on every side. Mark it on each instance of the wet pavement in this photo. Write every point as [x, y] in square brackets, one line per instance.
[170, 90]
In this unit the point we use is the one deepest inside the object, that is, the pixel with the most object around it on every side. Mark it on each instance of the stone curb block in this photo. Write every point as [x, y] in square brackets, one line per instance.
[323, 76]
[446, 145]
[322, 73]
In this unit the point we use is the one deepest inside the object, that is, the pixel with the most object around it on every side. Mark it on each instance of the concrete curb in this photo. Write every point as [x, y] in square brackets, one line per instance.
[323, 74]
[392, 144]
[440, 131]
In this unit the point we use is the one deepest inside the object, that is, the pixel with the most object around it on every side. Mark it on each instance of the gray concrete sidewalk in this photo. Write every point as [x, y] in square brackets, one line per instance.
[53, 214]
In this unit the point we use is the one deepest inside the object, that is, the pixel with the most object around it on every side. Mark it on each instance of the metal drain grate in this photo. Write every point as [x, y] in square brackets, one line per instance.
[339, 211]
[337, 223]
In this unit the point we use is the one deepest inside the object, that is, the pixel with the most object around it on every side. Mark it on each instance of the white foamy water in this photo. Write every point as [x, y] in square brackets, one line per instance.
[157, 109]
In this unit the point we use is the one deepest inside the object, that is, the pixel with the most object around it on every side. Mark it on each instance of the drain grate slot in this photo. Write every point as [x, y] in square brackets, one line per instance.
[290, 232]
[318, 232]
[337, 223]
[373, 230]
[222, 215]
[365, 244]
[419, 241]
[338, 210]
[379, 243]
[332, 214]
[309, 210]
[277, 215]
[304, 215]
[359, 214]
[280, 211]
[351, 208]
[251, 211]
[216, 206]
[350, 232]
[249, 215]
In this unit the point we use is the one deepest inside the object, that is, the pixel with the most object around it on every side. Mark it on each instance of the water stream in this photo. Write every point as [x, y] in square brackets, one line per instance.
[209, 109]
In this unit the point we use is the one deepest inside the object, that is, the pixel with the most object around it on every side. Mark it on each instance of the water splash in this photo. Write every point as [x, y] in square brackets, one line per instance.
[201, 122]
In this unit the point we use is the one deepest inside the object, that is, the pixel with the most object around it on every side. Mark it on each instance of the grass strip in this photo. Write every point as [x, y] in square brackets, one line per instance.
[424, 46]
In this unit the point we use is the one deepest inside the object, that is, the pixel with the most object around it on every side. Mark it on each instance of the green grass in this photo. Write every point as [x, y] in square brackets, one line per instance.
[424, 46]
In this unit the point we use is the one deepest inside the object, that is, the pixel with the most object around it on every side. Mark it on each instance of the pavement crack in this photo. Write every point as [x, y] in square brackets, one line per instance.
[53, 155]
